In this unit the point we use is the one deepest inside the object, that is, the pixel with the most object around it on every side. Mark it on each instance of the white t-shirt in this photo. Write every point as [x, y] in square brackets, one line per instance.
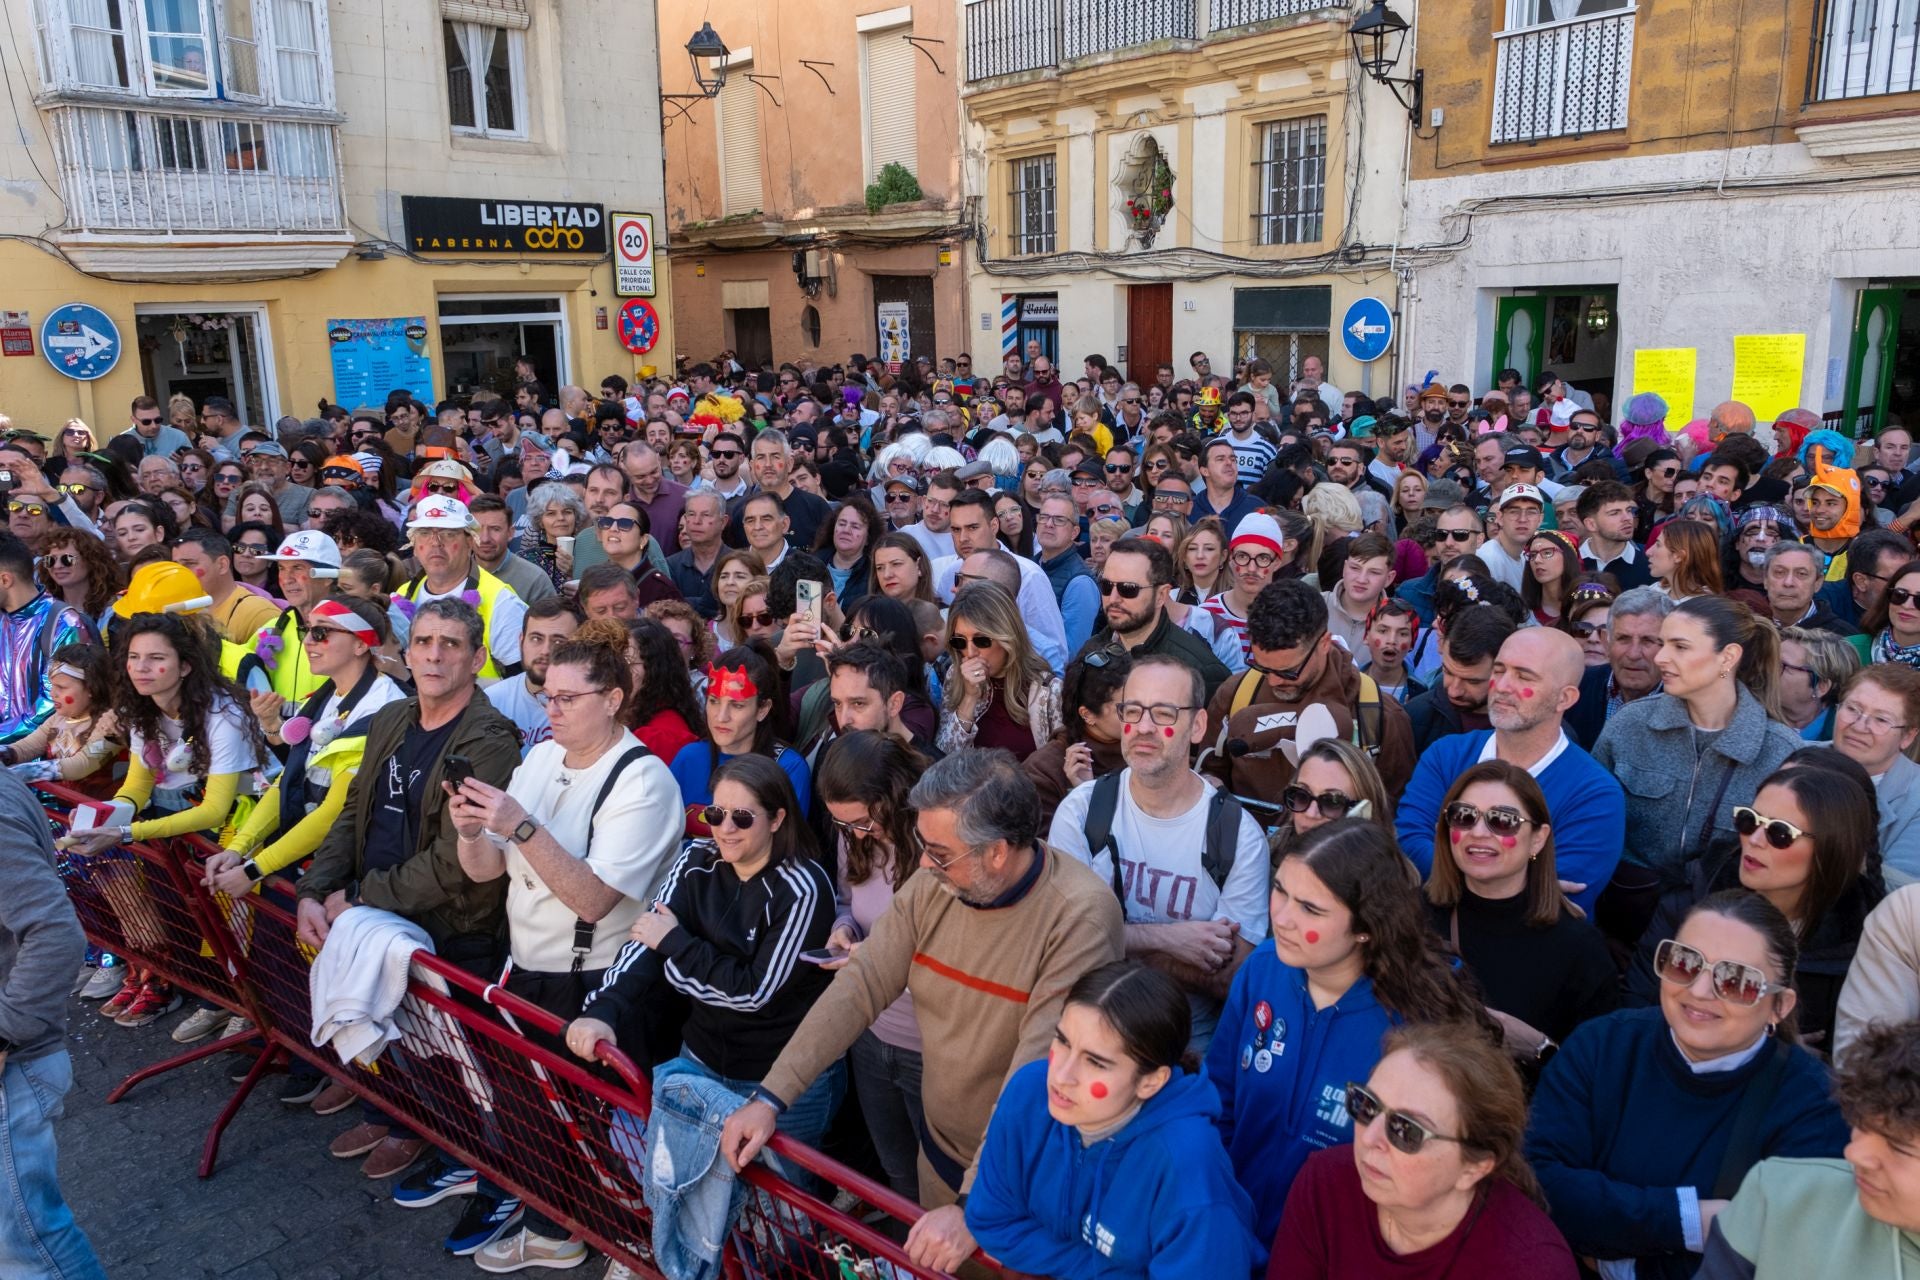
[512, 699]
[1504, 568]
[227, 751]
[1163, 872]
[503, 628]
[635, 840]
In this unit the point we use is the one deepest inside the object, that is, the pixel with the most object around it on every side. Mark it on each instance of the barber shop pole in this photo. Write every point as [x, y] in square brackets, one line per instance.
[1009, 324]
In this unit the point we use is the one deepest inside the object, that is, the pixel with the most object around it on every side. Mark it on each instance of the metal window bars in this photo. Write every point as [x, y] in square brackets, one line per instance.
[1034, 227]
[1291, 177]
[1864, 48]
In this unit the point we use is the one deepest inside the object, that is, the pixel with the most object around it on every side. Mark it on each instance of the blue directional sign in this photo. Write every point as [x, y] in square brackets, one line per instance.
[1367, 329]
[80, 341]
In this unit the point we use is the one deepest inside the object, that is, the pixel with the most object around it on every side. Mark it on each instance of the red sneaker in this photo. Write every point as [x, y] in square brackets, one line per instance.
[129, 992]
[156, 1000]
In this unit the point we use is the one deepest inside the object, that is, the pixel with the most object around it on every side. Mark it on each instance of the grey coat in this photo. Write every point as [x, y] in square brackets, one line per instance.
[40, 939]
[1899, 795]
[1648, 745]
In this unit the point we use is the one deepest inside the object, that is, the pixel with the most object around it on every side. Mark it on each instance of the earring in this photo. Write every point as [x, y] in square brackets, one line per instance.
[1772, 1027]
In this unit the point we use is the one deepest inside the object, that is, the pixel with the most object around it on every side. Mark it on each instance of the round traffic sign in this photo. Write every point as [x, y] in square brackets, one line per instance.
[1366, 331]
[80, 341]
[632, 240]
[639, 326]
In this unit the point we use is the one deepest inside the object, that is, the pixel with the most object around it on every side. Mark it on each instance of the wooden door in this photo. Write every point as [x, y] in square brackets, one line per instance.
[1149, 330]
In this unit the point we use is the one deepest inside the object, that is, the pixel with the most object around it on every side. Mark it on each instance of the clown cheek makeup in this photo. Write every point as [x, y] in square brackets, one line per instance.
[1526, 693]
[1169, 733]
[1507, 842]
[1098, 1090]
[1312, 936]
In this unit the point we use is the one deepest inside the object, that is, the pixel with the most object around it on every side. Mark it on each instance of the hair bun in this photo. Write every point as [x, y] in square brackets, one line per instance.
[608, 633]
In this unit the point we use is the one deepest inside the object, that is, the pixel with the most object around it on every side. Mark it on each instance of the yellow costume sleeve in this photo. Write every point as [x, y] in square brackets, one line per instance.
[307, 833]
[260, 824]
[209, 815]
[137, 788]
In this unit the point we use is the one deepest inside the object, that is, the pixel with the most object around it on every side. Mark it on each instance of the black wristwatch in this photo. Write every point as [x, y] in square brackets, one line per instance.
[524, 832]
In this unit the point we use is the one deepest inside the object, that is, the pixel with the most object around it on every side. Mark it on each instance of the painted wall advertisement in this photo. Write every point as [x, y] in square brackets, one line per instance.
[373, 357]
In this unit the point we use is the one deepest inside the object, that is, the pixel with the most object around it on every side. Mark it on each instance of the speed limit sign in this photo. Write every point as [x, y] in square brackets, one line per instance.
[633, 255]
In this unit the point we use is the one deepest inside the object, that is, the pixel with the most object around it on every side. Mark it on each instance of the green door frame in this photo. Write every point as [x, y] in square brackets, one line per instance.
[1884, 303]
[1535, 305]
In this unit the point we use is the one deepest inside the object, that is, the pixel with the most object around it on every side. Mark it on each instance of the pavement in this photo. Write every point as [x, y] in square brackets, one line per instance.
[277, 1207]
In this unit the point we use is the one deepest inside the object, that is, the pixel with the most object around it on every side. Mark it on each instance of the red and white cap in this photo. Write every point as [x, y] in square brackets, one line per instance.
[1259, 529]
[311, 547]
[331, 613]
[437, 511]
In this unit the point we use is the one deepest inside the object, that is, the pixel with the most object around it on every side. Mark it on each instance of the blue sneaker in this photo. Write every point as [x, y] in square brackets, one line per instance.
[433, 1182]
[481, 1223]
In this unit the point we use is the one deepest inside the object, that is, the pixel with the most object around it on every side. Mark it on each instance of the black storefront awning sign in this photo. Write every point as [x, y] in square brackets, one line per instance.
[446, 224]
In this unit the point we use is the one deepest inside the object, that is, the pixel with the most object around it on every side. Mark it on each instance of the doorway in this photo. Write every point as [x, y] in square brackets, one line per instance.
[1149, 330]
[213, 351]
[1574, 332]
[1883, 360]
[917, 293]
[481, 335]
[1039, 322]
[750, 335]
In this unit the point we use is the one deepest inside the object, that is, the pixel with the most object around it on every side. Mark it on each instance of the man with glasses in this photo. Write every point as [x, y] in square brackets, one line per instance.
[1188, 863]
[727, 452]
[988, 939]
[1043, 386]
[150, 428]
[933, 531]
[267, 464]
[324, 502]
[901, 500]
[1583, 446]
[1253, 556]
[1535, 682]
[1130, 417]
[30, 520]
[1135, 585]
[237, 612]
[1118, 470]
[1172, 497]
[1293, 666]
[1056, 531]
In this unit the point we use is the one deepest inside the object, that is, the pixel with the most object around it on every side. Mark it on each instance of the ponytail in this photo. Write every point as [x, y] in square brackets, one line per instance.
[1728, 622]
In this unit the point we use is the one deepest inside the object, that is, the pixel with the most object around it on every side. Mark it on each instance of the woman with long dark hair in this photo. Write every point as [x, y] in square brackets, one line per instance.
[846, 544]
[661, 711]
[1088, 741]
[743, 694]
[1553, 566]
[1350, 956]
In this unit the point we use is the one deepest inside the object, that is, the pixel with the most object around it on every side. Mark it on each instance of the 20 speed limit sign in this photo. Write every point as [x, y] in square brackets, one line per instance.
[633, 255]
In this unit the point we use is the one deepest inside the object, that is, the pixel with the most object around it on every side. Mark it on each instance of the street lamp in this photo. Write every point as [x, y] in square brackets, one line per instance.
[707, 45]
[1379, 37]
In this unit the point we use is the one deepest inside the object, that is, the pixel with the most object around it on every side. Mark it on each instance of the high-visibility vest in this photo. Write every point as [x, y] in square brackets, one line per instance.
[289, 674]
[490, 590]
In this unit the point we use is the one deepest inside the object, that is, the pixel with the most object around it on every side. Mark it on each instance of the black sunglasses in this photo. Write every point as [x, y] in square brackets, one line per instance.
[1454, 535]
[622, 523]
[980, 643]
[1290, 673]
[1900, 595]
[764, 618]
[1297, 799]
[714, 816]
[1127, 590]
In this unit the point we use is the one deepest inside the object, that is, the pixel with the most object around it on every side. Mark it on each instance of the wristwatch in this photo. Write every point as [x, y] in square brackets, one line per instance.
[524, 832]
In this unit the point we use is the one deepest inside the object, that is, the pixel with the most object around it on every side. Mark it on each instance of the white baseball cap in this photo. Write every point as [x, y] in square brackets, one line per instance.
[437, 511]
[310, 547]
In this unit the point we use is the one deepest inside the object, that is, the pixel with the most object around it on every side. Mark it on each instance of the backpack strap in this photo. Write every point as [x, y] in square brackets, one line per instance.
[1099, 825]
[583, 929]
[1243, 693]
[1223, 836]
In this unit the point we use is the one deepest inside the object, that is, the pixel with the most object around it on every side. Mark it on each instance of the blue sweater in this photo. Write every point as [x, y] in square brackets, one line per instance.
[1620, 1125]
[1156, 1199]
[693, 769]
[1588, 808]
[1272, 1120]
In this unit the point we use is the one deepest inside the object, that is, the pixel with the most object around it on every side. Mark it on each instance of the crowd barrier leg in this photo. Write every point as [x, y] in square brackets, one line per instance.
[210, 1148]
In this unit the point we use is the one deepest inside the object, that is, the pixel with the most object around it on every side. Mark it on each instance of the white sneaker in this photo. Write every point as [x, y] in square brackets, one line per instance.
[617, 1270]
[105, 981]
[198, 1025]
[236, 1026]
[524, 1249]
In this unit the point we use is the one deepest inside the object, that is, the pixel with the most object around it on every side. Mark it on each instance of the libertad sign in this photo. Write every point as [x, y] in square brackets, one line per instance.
[444, 224]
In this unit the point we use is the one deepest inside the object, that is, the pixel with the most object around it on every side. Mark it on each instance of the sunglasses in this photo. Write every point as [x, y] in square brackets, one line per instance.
[1297, 799]
[26, 508]
[622, 523]
[1779, 832]
[715, 816]
[1172, 499]
[1157, 464]
[147, 422]
[65, 559]
[250, 549]
[980, 643]
[446, 490]
[764, 618]
[719, 455]
[1586, 630]
[1454, 535]
[228, 479]
[1736, 983]
[1901, 596]
[1290, 673]
[866, 828]
[1127, 590]
[319, 513]
[1117, 468]
[1500, 820]
[321, 632]
[1406, 1134]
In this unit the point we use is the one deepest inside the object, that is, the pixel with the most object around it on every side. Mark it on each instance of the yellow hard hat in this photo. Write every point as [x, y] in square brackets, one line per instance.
[162, 587]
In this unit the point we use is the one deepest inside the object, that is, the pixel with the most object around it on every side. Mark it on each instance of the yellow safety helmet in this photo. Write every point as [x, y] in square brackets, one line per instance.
[162, 587]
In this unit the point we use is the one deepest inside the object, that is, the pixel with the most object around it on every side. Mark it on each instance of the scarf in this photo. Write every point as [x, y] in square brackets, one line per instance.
[1885, 650]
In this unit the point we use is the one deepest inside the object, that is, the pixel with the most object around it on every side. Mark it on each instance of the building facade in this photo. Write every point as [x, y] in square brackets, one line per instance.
[1166, 177]
[1612, 176]
[779, 252]
[284, 201]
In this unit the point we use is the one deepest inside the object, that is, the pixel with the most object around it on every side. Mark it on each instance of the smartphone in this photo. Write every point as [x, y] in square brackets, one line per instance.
[8, 481]
[824, 955]
[458, 769]
[808, 594]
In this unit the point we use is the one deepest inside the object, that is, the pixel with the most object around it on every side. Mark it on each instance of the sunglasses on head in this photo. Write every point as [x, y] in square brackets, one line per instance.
[1406, 1134]
[1500, 820]
[715, 816]
[1736, 983]
[980, 643]
[1779, 832]
[1127, 590]
[1297, 799]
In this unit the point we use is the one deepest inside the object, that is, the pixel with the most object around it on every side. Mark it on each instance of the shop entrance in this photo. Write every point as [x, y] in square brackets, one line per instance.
[209, 351]
[481, 335]
[1574, 332]
[1883, 362]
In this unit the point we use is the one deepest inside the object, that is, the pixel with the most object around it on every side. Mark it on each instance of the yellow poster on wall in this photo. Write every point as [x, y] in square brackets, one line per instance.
[1767, 369]
[1668, 372]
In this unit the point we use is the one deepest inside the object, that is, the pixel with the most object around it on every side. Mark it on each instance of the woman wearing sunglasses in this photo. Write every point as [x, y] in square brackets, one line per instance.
[1350, 956]
[1809, 845]
[1335, 780]
[253, 543]
[1646, 1121]
[1654, 495]
[727, 931]
[1000, 692]
[733, 572]
[1494, 895]
[748, 618]
[1434, 1183]
[865, 779]
[1894, 622]
[742, 689]
[1588, 619]
[1100, 1161]
[78, 568]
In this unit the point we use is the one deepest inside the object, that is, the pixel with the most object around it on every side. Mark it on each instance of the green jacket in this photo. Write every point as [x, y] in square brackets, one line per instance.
[430, 888]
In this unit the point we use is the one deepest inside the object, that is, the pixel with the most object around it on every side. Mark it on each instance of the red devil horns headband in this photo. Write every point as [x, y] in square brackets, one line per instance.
[735, 684]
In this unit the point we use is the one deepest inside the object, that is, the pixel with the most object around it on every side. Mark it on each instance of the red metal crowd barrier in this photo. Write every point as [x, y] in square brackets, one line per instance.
[478, 1072]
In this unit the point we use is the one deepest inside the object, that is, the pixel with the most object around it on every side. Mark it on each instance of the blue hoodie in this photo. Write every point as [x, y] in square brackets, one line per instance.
[1157, 1198]
[1273, 1119]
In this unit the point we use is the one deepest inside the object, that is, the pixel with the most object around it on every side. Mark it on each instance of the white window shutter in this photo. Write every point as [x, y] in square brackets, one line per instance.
[741, 187]
[888, 72]
[488, 13]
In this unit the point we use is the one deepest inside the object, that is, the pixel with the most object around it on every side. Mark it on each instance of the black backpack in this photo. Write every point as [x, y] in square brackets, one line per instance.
[1223, 831]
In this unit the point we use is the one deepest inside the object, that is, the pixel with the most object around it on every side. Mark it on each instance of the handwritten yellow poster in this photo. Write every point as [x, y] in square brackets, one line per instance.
[1767, 368]
[1668, 372]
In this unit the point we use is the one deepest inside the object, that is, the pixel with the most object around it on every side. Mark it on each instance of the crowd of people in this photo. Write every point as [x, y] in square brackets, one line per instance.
[1202, 826]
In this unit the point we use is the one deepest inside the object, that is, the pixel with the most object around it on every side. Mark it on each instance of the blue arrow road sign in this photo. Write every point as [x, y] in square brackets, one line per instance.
[80, 341]
[1367, 329]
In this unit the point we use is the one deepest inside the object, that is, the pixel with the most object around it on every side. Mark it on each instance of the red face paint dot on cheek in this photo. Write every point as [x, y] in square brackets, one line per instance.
[1526, 693]
[1507, 842]
[1458, 836]
[1169, 733]
[1098, 1090]
[1312, 936]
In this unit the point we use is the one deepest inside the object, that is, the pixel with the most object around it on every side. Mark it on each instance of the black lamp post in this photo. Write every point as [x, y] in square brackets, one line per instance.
[707, 46]
[1379, 37]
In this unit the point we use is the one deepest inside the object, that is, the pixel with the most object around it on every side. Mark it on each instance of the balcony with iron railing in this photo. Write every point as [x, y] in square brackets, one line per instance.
[1007, 37]
[168, 171]
[1563, 79]
[1863, 49]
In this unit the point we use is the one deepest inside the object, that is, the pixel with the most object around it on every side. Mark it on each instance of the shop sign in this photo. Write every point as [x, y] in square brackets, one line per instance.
[1040, 310]
[373, 357]
[16, 333]
[446, 224]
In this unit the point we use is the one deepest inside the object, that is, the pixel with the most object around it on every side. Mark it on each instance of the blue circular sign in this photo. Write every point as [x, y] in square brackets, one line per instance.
[80, 341]
[1366, 331]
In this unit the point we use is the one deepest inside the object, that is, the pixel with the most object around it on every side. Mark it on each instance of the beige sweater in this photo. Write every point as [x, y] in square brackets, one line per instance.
[988, 985]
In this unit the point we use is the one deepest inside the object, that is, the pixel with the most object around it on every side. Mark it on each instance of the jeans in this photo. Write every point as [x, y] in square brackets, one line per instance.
[39, 1239]
[887, 1079]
